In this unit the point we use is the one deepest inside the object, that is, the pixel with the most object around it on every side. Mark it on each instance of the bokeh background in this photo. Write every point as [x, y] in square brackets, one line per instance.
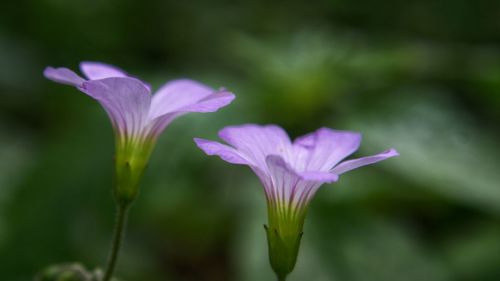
[422, 76]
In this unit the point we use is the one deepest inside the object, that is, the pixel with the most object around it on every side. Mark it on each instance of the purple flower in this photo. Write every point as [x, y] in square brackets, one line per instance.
[291, 173]
[138, 117]
[135, 113]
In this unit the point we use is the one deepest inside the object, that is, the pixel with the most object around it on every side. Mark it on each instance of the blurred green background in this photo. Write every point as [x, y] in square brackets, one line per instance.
[420, 76]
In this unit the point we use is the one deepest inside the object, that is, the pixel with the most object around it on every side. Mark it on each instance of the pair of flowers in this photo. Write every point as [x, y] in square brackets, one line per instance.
[290, 171]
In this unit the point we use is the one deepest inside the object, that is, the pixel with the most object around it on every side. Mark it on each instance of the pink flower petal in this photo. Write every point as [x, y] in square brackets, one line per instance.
[289, 186]
[356, 163]
[63, 75]
[177, 94]
[328, 147]
[274, 161]
[210, 103]
[256, 142]
[126, 100]
[225, 152]
[99, 70]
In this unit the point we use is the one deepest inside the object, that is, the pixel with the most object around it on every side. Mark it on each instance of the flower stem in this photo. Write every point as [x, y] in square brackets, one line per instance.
[121, 221]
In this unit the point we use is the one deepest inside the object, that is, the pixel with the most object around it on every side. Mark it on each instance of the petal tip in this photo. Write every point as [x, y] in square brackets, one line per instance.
[226, 153]
[391, 152]
[62, 75]
[199, 141]
[99, 70]
[218, 100]
[48, 72]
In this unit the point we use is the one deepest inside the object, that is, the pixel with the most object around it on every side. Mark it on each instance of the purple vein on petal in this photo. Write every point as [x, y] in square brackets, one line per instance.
[126, 100]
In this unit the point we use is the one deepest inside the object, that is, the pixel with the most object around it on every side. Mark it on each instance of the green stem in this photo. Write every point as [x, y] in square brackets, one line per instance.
[281, 278]
[121, 221]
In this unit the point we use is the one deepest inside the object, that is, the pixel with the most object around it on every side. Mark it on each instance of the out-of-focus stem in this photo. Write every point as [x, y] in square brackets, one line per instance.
[121, 221]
